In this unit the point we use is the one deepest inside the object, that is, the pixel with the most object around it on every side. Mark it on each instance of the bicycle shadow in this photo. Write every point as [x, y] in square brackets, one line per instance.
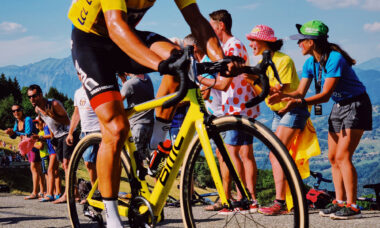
[16, 220]
[8, 207]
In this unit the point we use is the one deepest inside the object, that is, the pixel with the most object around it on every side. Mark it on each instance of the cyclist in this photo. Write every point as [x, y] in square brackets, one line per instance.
[105, 41]
[351, 115]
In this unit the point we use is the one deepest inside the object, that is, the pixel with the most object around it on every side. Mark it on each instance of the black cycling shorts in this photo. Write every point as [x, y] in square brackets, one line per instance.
[98, 59]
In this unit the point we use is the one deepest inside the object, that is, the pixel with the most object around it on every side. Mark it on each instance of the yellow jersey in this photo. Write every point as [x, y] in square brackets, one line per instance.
[88, 15]
[288, 75]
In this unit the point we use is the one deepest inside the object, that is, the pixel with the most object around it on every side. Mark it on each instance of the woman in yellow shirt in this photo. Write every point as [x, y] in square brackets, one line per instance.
[286, 126]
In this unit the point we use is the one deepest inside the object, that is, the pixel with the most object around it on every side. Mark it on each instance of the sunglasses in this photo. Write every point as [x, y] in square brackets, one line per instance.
[16, 110]
[33, 96]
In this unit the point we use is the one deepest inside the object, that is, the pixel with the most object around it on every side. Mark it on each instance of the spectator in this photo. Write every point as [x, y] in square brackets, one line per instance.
[44, 155]
[53, 173]
[55, 116]
[136, 90]
[286, 126]
[49, 162]
[235, 92]
[24, 128]
[351, 115]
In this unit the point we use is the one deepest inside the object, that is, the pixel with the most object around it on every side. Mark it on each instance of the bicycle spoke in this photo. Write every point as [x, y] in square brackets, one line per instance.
[197, 178]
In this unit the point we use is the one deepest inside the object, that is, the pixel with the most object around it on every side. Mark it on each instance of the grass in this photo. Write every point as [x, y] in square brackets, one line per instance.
[5, 138]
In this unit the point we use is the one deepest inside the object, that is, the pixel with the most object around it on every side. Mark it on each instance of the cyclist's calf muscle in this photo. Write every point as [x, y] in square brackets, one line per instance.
[114, 128]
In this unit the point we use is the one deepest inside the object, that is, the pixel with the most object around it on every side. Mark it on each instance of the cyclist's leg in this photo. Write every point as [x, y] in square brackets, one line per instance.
[169, 84]
[347, 143]
[114, 127]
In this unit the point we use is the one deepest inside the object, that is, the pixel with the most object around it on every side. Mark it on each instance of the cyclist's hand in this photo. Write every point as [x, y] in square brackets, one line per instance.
[172, 64]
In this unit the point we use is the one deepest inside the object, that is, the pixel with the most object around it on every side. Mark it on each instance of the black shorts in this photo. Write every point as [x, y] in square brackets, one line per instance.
[98, 59]
[61, 148]
[354, 114]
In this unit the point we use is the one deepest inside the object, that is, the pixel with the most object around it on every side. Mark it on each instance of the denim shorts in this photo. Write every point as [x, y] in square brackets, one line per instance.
[45, 164]
[237, 138]
[295, 118]
[351, 115]
[91, 152]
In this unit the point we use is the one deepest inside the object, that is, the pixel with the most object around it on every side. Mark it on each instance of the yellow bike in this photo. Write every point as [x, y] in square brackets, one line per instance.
[194, 153]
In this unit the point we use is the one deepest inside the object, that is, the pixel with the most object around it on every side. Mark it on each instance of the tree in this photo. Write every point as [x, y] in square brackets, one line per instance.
[66, 102]
[6, 117]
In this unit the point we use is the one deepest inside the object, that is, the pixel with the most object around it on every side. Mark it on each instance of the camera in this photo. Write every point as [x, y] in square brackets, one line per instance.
[318, 110]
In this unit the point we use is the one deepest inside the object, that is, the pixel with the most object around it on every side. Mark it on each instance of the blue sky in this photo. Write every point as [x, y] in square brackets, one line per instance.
[32, 30]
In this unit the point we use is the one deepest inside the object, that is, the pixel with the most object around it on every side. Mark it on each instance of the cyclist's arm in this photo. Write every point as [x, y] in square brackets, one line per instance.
[202, 31]
[123, 35]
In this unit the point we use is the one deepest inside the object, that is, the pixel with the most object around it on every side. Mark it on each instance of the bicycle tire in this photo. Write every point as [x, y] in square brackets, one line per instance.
[76, 170]
[267, 138]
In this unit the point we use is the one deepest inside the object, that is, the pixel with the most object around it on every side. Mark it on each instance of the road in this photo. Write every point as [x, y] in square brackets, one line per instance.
[17, 212]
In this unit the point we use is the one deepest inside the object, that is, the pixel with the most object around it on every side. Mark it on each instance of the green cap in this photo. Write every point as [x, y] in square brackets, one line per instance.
[311, 30]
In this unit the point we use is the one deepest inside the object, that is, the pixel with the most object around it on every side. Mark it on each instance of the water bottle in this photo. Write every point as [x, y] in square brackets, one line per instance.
[158, 157]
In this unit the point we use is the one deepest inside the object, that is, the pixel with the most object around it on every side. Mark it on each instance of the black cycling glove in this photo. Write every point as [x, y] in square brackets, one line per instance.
[172, 64]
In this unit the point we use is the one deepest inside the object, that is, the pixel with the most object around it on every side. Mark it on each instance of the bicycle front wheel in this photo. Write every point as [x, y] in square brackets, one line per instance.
[79, 184]
[196, 179]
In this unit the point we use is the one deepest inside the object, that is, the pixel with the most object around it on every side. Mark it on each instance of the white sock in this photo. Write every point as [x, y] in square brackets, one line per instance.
[160, 130]
[112, 214]
[340, 201]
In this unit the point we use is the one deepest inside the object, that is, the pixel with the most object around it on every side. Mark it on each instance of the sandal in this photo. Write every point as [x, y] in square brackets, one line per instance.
[214, 207]
[47, 198]
[30, 197]
[40, 195]
[57, 196]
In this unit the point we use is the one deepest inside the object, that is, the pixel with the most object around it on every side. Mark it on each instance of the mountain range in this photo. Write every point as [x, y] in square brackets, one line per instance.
[61, 74]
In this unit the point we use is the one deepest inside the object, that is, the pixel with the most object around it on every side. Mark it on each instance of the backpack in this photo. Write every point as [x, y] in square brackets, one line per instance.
[318, 199]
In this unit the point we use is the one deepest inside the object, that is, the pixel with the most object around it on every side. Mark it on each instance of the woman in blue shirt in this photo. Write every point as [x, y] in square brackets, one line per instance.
[24, 128]
[331, 69]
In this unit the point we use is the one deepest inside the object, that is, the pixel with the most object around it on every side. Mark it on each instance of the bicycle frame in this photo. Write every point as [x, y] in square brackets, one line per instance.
[194, 122]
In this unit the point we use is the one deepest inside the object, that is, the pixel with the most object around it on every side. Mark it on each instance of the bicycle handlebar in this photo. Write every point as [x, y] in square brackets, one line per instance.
[195, 69]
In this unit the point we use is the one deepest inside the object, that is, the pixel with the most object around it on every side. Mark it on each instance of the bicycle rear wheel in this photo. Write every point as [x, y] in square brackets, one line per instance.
[84, 215]
[196, 177]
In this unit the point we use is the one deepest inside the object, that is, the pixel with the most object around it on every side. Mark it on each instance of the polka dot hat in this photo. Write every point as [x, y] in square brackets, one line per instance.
[262, 32]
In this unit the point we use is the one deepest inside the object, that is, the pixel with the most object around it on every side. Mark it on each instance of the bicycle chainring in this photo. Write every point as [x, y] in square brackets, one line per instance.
[136, 218]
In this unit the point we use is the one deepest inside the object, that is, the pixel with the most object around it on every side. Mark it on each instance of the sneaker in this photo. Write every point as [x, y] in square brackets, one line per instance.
[276, 208]
[331, 208]
[253, 207]
[347, 212]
